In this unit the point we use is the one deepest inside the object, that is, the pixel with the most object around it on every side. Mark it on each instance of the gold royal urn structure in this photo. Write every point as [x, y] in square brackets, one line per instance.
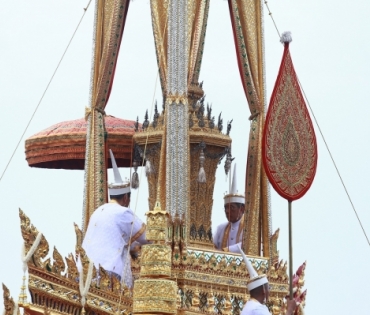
[180, 271]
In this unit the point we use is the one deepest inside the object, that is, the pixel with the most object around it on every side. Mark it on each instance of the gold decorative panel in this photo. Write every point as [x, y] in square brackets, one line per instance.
[156, 260]
[154, 296]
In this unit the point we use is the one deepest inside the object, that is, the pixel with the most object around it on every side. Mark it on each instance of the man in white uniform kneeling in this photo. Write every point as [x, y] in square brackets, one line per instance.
[112, 228]
[230, 233]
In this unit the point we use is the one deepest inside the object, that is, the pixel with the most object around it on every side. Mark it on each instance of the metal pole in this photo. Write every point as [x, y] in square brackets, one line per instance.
[290, 252]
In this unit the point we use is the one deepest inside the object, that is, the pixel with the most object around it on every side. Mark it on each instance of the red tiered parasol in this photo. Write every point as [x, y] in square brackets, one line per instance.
[62, 146]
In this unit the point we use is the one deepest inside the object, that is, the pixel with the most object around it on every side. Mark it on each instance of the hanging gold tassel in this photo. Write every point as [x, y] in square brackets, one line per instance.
[135, 177]
[149, 169]
[202, 173]
[135, 180]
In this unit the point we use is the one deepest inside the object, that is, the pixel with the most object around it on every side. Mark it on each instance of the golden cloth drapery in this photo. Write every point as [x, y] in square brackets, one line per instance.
[246, 19]
[110, 18]
[196, 30]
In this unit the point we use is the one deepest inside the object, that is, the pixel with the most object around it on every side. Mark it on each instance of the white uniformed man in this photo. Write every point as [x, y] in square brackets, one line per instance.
[230, 233]
[258, 288]
[112, 227]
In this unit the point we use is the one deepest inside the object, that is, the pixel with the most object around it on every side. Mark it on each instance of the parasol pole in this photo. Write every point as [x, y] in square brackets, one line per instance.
[290, 251]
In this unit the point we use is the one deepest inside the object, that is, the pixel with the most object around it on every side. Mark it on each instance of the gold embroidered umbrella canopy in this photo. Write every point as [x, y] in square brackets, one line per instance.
[63, 145]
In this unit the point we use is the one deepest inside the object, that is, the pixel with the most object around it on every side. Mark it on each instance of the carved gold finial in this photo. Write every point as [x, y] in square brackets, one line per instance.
[274, 258]
[35, 249]
[157, 206]
[9, 304]
[116, 285]
[58, 265]
[85, 262]
[30, 236]
[72, 272]
[104, 281]
[281, 271]
[79, 236]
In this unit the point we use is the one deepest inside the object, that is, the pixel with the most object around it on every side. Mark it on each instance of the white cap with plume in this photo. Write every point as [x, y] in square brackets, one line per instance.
[234, 196]
[255, 280]
[119, 187]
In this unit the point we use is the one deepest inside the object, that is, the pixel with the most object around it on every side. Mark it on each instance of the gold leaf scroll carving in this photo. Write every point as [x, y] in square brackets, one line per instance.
[58, 265]
[9, 304]
[29, 234]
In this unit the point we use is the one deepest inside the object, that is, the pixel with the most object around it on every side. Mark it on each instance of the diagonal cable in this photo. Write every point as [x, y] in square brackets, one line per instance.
[326, 145]
[47, 87]
[335, 165]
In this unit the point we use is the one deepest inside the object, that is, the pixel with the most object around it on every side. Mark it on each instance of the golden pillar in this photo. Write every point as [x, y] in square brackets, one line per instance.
[154, 292]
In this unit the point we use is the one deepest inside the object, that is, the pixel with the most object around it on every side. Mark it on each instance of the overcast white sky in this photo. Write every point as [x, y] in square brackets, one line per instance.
[330, 51]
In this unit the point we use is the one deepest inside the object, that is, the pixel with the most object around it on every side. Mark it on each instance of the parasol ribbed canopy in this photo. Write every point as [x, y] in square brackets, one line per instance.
[62, 146]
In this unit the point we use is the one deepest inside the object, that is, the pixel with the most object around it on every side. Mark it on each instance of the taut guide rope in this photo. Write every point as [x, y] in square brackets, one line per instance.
[47, 87]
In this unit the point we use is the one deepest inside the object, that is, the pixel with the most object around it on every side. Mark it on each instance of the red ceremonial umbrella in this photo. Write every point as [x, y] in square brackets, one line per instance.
[62, 146]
